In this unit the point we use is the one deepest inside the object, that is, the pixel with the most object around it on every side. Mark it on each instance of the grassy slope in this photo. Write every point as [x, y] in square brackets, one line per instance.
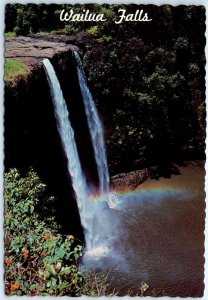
[14, 69]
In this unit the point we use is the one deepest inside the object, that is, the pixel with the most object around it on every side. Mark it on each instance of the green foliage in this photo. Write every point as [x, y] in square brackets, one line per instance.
[98, 284]
[104, 38]
[31, 18]
[152, 93]
[181, 43]
[17, 30]
[14, 69]
[101, 284]
[71, 29]
[10, 34]
[193, 70]
[93, 30]
[38, 260]
[108, 12]
[161, 83]
[143, 288]
[162, 57]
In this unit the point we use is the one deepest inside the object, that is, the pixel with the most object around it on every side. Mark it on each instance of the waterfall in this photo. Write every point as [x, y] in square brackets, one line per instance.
[88, 209]
[95, 128]
[69, 146]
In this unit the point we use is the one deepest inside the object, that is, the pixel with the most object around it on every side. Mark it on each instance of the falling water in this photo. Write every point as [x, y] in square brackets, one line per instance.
[87, 208]
[69, 145]
[95, 127]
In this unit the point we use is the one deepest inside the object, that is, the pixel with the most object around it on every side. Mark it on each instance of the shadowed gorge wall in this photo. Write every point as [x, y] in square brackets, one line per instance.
[32, 140]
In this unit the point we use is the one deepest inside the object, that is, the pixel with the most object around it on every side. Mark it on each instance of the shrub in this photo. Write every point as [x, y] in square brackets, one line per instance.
[93, 30]
[104, 38]
[70, 29]
[38, 260]
[17, 30]
[98, 284]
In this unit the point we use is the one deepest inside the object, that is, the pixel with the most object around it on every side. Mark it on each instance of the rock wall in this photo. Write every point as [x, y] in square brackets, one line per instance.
[31, 137]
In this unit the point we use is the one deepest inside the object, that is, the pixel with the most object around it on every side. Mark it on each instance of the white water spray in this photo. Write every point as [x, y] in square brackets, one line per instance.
[88, 211]
[69, 145]
[95, 127]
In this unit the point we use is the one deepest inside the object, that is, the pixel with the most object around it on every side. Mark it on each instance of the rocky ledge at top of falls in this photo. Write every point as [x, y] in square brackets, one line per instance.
[31, 50]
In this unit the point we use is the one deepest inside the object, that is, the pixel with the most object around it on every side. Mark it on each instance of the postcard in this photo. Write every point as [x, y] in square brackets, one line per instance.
[104, 150]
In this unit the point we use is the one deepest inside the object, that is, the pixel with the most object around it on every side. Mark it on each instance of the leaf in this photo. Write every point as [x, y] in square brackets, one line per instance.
[64, 285]
[65, 271]
[35, 287]
[26, 284]
[31, 209]
[50, 269]
[60, 253]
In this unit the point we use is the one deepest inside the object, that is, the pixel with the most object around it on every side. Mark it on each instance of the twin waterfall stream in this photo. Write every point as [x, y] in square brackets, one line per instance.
[66, 132]
[95, 127]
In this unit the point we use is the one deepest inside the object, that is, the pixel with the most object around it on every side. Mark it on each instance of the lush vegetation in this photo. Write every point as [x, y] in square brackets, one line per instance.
[38, 260]
[14, 69]
[10, 34]
[148, 81]
[153, 99]
[22, 19]
[146, 77]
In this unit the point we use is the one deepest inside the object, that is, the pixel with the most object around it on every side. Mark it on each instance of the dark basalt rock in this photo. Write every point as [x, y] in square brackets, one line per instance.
[31, 50]
[31, 137]
[129, 181]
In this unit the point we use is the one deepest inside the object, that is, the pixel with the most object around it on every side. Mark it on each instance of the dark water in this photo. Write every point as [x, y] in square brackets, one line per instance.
[154, 235]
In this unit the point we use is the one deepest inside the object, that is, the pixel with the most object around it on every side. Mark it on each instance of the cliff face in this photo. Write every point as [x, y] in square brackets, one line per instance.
[31, 137]
[29, 120]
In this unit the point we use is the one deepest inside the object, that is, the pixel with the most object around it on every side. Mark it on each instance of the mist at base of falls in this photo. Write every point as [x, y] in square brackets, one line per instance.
[154, 235]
